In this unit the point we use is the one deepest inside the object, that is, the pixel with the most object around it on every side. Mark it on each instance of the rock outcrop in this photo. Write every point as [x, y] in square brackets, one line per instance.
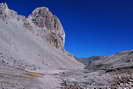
[42, 19]
[6, 13]
[41, 30]
[45, 20]
[32, 47]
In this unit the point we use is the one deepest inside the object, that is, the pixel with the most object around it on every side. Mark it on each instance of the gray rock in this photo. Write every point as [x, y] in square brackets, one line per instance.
[33, 45]
[45, 20]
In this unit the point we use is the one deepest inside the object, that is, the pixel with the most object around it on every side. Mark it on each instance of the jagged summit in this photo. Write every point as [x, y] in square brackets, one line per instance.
[33, 45]
[40, 36]
[3, 6]
[41, 18]
[44, 19]
[6, 13]
[3, 9]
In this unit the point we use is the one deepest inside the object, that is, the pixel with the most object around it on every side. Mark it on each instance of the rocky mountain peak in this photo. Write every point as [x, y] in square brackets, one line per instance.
[41, 18]
[30, 47]
[6, 13]
[3, 6]
[3, 9]
[45, 20]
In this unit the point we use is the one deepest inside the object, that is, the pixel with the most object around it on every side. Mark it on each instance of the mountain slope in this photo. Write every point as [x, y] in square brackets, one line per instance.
[91, 59]
[113, 72]
[34, 45]
[118, 60]
[26, 41]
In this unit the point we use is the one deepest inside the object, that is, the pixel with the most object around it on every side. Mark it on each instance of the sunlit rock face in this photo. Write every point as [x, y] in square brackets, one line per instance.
[6, 13]
[41, 18]
[31, 47]
[3, 9]
[40, 36]
[44, 19]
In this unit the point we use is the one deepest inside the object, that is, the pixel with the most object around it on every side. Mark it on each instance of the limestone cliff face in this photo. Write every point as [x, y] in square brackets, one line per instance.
[41, 19]
[39, 36]
[45, 20]
[31, 47]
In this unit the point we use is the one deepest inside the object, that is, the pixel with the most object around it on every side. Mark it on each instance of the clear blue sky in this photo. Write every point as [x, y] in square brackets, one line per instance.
[93, 27]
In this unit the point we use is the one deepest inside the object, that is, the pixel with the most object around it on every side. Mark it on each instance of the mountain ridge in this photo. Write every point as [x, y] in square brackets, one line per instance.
[32, 50]
[41, 18]
[38, 36]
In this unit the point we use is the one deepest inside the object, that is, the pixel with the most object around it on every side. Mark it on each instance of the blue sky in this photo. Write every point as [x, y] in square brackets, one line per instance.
[93, 27]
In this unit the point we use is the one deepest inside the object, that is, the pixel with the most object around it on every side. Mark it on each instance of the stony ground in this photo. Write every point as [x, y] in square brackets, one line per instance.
[84, 79]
